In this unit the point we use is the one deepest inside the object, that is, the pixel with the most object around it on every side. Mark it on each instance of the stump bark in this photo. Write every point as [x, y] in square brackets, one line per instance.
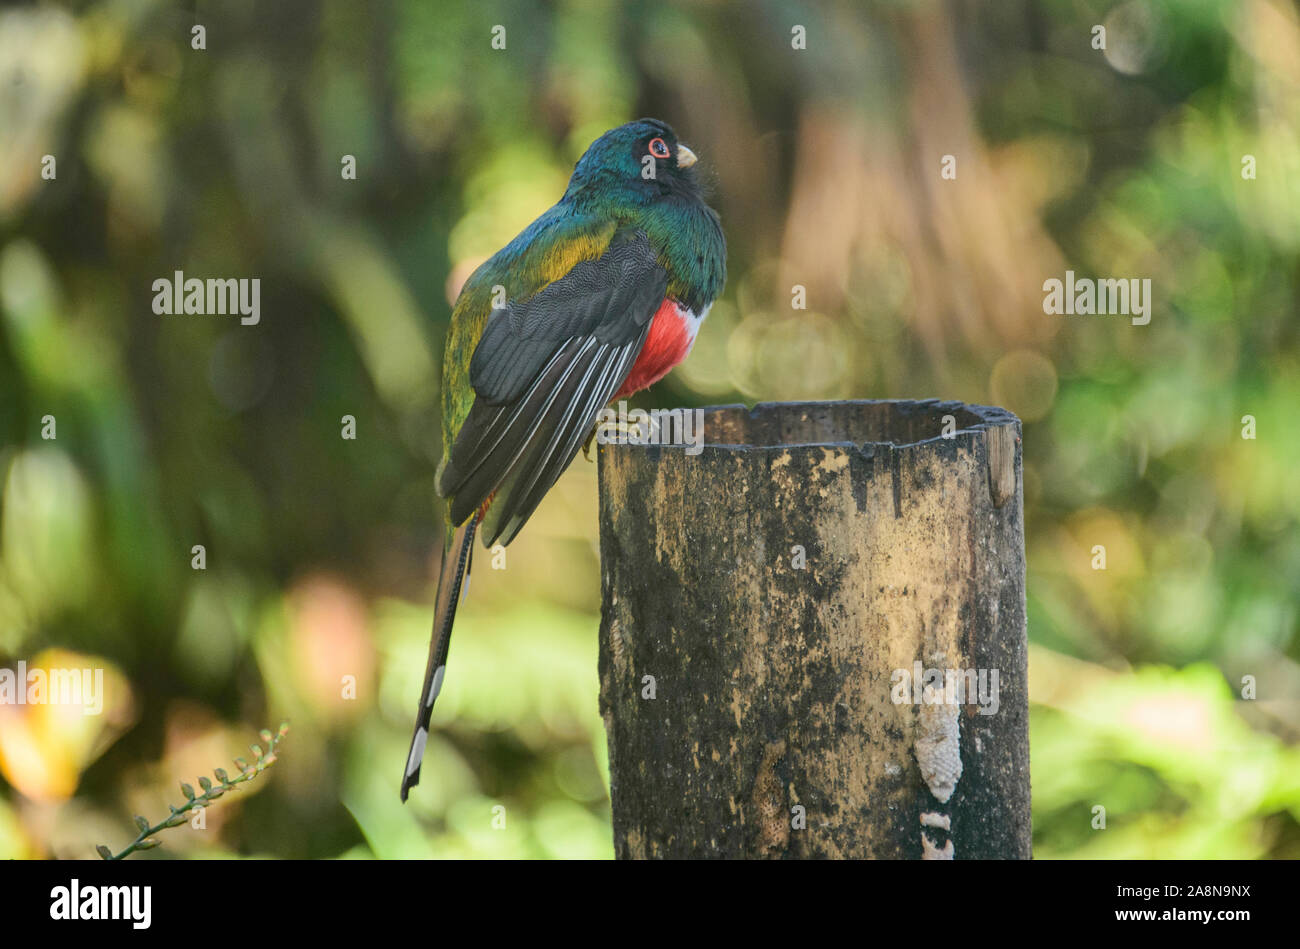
[775, 611]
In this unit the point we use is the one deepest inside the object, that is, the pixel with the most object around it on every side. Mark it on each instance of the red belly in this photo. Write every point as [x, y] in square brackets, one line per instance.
[666, 345]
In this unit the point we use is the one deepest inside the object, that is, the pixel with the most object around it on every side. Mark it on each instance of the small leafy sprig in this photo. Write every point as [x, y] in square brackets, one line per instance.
[263, 759]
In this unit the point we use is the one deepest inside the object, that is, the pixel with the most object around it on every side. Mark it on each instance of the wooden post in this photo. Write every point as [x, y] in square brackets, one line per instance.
[775, 610]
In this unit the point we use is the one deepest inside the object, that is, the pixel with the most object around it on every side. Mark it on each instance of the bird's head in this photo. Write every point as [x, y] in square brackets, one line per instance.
[639, 162]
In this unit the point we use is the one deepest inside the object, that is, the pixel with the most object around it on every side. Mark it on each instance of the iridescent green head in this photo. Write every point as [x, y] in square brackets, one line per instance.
[638, 163]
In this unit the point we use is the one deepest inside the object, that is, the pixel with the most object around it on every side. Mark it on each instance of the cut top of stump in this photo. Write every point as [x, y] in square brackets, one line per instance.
[895, 425]
[898, 423]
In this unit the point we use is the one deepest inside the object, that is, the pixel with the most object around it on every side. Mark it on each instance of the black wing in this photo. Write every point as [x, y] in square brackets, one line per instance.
[541, 373]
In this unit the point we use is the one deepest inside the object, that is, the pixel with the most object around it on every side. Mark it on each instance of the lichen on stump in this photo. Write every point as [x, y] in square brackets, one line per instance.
[767, 605]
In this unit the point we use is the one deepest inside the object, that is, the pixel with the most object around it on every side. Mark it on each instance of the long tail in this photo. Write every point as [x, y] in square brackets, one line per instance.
[455, 568]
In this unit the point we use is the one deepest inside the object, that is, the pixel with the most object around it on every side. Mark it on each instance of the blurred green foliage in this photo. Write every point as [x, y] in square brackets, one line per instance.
[824, 163]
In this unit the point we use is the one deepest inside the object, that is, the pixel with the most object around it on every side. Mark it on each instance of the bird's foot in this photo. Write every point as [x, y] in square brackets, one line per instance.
[618, 432]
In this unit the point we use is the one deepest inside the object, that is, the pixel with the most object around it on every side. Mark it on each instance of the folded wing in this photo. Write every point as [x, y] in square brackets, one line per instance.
[541, 373]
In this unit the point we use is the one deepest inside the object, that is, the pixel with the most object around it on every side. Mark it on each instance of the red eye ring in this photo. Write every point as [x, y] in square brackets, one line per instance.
[659, 148]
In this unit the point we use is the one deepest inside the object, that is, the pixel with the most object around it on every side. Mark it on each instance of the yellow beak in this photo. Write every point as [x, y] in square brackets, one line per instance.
[685, 157]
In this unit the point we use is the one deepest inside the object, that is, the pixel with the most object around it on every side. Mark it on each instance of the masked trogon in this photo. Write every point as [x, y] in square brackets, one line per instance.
[598, 298]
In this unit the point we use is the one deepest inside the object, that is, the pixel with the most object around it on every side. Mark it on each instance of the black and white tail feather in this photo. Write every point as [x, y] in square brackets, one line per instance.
[454, 573]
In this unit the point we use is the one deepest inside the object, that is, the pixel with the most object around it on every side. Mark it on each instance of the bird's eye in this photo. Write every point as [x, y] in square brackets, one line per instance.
[659, 148]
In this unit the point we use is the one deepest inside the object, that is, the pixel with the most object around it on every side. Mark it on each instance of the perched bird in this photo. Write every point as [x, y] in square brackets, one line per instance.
[598, 298]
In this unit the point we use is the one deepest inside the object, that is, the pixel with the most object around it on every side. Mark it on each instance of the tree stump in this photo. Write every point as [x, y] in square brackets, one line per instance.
[813, 635]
